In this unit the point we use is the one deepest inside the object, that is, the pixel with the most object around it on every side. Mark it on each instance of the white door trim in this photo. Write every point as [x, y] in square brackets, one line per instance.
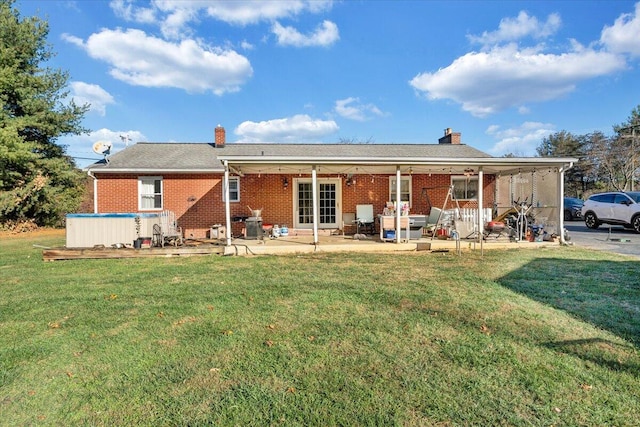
[338, 201]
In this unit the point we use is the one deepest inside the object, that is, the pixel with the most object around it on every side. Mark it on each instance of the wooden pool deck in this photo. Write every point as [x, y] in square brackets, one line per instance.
[284, 245]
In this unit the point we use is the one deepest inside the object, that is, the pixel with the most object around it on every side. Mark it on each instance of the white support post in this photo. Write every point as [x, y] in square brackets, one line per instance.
[481, 209]
[398, 210]
[227, 207]
[561, 205]
[314, 192]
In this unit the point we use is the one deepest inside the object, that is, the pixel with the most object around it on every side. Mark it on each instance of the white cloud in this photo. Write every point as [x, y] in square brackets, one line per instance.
[508, 74]
[117, 138]
[250, 12]
[351, 108]
[295, 129]
[142, 60]
[85, 93]
[522, 140]
[504, 77]
[325, 35]
[174, 16]
[125, 9]
[511, 29]
[624, 35]
[246, 45]
[72, 39]
[80, 146]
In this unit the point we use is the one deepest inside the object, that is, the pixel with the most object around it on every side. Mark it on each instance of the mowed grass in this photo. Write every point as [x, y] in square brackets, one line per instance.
[519, 337]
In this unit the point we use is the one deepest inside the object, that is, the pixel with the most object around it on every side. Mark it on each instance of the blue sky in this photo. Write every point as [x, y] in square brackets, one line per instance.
[505, 74]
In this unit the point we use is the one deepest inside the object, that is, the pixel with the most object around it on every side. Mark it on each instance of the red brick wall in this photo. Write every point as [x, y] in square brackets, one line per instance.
[197, 199]
[375, 190]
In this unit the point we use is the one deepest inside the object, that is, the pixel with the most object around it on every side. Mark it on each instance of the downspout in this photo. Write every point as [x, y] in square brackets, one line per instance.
[95, 191]
[227, 207]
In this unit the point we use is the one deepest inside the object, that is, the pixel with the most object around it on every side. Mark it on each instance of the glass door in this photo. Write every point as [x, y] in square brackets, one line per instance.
[328, 203]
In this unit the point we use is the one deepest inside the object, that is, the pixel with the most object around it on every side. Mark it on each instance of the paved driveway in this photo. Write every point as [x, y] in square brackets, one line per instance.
[615, 239]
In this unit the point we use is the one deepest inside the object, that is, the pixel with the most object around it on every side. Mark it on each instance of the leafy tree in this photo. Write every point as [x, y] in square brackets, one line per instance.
[565, 144]
[606, 162]
[612, 161]
[626, 140]
[38, 181]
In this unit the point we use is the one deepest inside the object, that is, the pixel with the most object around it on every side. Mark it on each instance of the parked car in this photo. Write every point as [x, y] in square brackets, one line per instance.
[616, 208]
[572, 208]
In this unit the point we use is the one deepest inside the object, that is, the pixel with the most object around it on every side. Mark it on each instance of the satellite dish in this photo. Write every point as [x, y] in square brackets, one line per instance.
[102, 148]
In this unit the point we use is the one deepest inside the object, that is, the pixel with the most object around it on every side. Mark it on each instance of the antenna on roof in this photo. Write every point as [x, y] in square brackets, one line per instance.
[125, 139]
[103, 148]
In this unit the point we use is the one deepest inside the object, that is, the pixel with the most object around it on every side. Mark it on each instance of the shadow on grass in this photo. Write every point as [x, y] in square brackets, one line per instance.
[584, 348]
[603, 293]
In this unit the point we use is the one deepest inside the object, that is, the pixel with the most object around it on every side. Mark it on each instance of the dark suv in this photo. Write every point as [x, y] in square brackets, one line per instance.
[572, 208]
[616, 208]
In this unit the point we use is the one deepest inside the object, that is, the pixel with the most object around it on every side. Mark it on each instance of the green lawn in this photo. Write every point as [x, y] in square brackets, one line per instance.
[520, 337]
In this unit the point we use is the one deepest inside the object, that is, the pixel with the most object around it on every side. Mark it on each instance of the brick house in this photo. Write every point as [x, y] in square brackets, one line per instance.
[189, 179]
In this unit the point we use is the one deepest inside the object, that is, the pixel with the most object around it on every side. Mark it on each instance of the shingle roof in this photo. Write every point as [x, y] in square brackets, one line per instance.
[364, 151]
[149, 156]
[184, 157]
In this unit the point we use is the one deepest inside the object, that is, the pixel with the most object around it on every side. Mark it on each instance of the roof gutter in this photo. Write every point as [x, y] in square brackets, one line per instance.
[152, 170]
[481, 161]
[566, 167]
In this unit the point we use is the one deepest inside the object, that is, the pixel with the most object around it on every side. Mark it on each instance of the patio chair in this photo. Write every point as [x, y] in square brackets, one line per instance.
[348, 222]
[167, 231]
[365, 219]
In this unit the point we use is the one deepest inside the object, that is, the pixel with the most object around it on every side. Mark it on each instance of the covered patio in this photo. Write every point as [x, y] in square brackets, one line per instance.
[277, 161]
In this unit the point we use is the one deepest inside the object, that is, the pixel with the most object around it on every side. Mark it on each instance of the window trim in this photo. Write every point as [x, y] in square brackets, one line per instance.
[235, 179]
[466, 180]
[392, 187]
[141, 194]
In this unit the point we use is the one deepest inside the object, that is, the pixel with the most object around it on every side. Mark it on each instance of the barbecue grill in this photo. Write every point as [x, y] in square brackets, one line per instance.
[253, 225]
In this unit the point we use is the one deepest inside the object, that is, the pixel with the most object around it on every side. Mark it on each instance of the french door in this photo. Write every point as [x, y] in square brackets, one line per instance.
[329, 198]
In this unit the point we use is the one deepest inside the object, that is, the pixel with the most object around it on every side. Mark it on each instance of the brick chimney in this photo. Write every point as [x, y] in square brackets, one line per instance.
[220, 136]
[450, 137]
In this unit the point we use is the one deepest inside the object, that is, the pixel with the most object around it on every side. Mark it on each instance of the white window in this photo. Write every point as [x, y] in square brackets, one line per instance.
[405, 189]
[149, 193]
[234, 189]
[465, 188]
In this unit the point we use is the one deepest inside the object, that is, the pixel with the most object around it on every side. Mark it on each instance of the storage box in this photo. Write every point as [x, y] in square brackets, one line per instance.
[218, 232]
[389, 234]
[387, 222]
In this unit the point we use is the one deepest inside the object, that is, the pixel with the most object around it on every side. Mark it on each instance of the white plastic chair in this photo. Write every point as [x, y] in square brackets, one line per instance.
[364, 218]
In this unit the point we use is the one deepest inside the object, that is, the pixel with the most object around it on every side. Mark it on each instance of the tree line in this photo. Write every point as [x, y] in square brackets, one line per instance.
[606, 163]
